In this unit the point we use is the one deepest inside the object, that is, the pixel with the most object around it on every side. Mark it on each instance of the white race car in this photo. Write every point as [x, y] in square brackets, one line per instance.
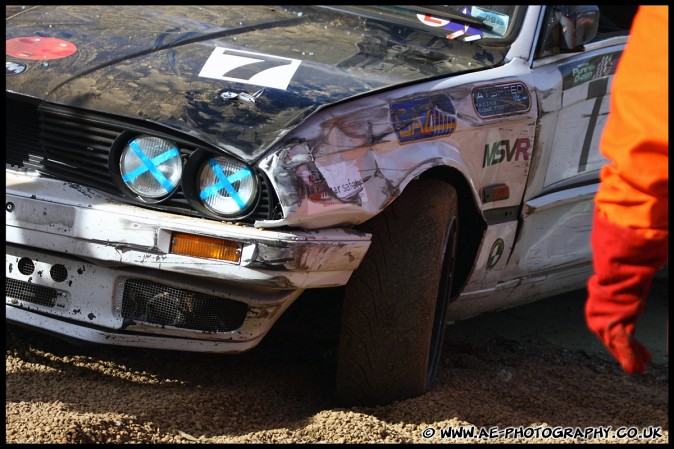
[177, 176]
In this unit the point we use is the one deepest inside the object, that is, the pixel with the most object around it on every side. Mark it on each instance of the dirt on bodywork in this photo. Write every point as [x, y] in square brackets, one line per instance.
[171, 64]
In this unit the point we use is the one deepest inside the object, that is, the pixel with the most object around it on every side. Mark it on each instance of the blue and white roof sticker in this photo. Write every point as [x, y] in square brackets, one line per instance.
[151, 166]
[455, 29]
[225, 182]
[423, 118]
[499, 22]
[248, 67]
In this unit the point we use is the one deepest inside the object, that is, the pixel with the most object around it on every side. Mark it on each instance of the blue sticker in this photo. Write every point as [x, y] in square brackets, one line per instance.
[498, 22]
[423, 118]
[225, 182]
[456, 28]
[151, 166]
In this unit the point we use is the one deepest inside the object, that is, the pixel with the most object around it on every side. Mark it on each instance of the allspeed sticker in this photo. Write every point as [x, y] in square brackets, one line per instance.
[247, 67]
[39, 48]
[501, 99]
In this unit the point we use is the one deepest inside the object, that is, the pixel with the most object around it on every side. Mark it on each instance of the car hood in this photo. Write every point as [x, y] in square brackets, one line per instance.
[236, 77]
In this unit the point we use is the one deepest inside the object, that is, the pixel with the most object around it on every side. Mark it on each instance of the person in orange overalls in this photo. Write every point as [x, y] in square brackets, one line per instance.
[630, 226]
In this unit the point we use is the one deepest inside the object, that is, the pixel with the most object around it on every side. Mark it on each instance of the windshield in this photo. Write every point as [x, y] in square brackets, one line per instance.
[467, 23]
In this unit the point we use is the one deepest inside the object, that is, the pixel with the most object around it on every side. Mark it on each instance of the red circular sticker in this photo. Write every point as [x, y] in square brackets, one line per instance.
[38, 47]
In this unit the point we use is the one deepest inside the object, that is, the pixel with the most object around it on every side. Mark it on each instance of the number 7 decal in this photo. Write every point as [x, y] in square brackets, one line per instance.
[597, 90]
[250, 68]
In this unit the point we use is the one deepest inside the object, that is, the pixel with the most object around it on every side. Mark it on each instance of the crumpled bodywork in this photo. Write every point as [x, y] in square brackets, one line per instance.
[83, 265]
[346, 165]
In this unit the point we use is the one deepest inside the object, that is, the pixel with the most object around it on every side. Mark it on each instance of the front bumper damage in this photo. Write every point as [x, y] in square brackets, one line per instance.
[85, 266]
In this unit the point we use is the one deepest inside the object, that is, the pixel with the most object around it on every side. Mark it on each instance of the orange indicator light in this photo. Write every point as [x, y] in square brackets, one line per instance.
[205, 247]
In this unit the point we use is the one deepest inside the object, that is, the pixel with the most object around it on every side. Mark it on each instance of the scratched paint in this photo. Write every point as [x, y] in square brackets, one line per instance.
[355, 114]
[346, 169]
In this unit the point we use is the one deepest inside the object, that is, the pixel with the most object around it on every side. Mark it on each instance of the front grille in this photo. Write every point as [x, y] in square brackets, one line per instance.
[74, 146]
[22, 130]
[154, 303]
[32, 293]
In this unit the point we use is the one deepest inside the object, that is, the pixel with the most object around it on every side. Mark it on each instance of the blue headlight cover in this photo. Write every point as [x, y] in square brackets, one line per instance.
[226, 186]
[151, 166]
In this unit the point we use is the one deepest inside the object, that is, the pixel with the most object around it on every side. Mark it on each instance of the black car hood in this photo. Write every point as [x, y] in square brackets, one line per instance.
[169, 64]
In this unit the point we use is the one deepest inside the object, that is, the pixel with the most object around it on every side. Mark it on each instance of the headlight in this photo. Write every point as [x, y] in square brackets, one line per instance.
[226, 187]
[150, 167]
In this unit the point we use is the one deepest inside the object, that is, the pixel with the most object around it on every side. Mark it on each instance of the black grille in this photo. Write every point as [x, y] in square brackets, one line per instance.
[74, 145]
[22, 141]
[28, 292]
[155, 303]
[76, 148]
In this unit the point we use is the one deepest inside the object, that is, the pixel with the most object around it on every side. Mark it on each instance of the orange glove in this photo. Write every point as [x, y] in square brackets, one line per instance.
[624, 262]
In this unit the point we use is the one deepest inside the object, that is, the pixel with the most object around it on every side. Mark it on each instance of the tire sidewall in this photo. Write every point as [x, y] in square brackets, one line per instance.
[392, 321]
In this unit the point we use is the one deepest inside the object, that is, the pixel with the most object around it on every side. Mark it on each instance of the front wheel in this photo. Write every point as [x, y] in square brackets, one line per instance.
[395, 304]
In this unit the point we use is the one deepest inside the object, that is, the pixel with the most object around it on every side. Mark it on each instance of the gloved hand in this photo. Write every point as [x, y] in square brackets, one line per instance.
[631, 354]
[624, 264]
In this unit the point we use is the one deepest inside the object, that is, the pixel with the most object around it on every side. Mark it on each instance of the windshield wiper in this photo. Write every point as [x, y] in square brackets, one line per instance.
[449, 13]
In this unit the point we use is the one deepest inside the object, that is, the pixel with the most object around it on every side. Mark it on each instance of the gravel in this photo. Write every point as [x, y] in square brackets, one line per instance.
[495, 377]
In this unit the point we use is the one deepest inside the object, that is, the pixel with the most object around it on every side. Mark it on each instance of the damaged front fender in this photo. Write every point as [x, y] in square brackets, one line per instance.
[346, 165]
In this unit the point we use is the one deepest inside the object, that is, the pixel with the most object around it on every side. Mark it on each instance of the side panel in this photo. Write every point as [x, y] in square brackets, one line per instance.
[348, 166]
[574, 103]
[557, 211]
[550, 248]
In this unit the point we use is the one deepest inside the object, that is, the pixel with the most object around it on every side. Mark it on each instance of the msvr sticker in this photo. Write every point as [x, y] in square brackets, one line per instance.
[502, 150]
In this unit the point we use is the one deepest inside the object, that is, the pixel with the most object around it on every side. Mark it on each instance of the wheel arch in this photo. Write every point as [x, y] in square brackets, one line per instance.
[471, 224]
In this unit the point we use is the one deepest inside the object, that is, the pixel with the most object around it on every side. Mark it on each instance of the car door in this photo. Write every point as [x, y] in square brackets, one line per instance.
[573, 89]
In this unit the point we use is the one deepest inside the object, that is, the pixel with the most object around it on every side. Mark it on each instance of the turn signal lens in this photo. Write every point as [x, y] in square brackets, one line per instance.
[205, 247]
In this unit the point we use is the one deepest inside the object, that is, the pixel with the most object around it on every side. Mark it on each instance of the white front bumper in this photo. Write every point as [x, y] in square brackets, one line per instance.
[102, 244]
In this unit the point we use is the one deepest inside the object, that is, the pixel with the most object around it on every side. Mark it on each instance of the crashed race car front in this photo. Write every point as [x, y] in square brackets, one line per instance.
[84, 266]
[110, 239]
